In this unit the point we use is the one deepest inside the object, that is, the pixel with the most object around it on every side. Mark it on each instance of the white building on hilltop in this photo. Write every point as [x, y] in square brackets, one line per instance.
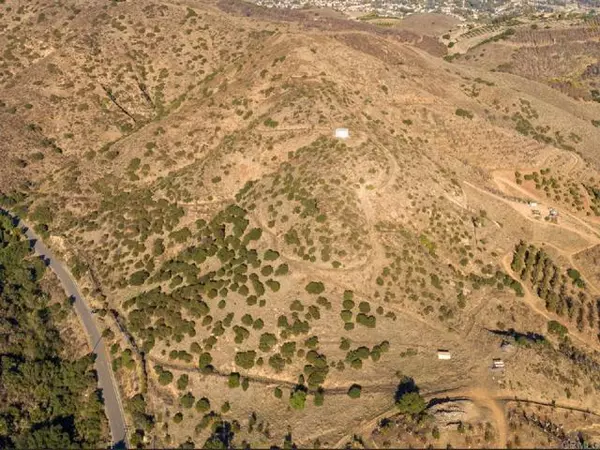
[342, 133]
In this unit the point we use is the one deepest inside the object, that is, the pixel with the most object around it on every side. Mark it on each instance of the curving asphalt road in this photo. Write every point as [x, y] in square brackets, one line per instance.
[106, 380]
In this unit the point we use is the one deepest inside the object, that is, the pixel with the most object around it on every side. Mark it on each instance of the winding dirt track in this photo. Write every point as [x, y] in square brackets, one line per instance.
[592, 238]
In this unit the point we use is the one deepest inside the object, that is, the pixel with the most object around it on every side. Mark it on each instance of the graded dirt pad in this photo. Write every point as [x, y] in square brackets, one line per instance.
[181, 157]
[428, 23]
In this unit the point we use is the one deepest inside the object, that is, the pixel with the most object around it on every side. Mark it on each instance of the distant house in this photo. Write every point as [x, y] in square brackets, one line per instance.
[533, 204]
[444, 354]
[553, 213]
[342, 133]
[497, 363]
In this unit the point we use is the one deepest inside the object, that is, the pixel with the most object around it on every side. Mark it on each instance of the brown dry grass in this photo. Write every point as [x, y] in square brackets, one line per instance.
[198, 103]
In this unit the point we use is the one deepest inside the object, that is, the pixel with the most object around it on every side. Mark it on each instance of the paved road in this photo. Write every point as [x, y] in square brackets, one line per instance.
[106, 381]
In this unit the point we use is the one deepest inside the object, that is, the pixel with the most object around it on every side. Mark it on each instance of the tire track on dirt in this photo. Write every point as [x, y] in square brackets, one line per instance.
[583, 235]
[270, 381]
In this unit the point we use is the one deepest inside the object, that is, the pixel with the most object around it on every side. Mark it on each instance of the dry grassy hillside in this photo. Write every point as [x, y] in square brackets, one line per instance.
[262, 282]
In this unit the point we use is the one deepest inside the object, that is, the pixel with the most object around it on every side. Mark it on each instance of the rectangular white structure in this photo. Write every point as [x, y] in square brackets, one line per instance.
[498, 363]
[342, 133]
[444, 354]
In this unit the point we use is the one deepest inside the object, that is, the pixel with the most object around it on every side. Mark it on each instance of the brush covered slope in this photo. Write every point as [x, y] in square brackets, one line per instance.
[261, 282]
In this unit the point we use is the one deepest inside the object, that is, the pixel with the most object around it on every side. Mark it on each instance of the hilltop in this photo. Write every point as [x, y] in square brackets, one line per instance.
[260, 281]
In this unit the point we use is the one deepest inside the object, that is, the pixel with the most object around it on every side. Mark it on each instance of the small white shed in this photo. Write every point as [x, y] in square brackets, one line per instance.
[444, 354]
[497, 363]
[342, 133]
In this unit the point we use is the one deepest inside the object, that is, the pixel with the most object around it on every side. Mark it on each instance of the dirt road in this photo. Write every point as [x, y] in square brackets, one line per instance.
[106, 381]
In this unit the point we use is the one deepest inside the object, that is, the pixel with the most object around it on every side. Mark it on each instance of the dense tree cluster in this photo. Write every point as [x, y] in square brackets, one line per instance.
[594, 194]
[46, 401]
[563, 290]
[194, 286]
[143, 422]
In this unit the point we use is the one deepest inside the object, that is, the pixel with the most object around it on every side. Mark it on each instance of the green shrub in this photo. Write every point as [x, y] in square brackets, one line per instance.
[298, 399]
[411, 403]
[181, 236]
[345, 344]
[271, 255]
[288, 349]
[247, 320]
[234, 380]
[138, 278]
[319, 398]
[348, 304]
[354, 391]
[277, 363]
[273, 285]
[576, 277]
[182, 382]
[365, 320]
[267, 342]
[253, 235]
[241, 334]
[464, 113]
[203, 405]
[435, 281]
[165, 377]
[204, 360]
[282, 270]
[259, 288]
[158, 247]
[312, 342]
[297, 306]
[315, 287]
[187, 401]
[245, 359]
[557, 328]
